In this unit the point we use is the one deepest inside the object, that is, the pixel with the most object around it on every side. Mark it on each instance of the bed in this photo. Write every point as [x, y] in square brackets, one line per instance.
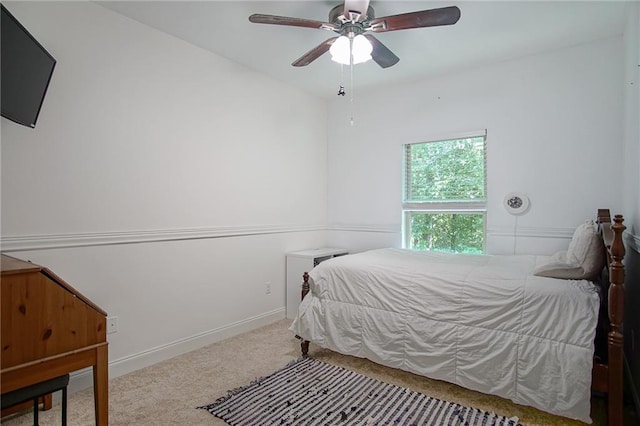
[533, 329]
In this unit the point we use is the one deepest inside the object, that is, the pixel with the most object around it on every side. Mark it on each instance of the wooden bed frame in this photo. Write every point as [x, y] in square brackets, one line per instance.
[607, 374]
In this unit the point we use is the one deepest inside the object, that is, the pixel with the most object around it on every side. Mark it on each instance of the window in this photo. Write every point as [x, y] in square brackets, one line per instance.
[444, 202]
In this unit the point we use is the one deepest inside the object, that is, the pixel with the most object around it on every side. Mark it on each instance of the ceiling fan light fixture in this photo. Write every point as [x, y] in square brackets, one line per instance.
[340, 50]
[343, 49]
[361, 49]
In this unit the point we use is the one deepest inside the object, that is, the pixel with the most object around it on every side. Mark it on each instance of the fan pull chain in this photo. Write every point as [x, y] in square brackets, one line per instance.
[341, 91]
[351, 94]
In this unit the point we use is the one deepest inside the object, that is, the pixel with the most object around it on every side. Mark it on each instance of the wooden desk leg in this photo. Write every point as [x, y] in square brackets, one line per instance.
[47, 402]
[101, 386]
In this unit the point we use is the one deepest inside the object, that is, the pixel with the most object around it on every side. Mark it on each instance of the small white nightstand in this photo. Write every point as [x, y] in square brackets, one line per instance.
[299, 262]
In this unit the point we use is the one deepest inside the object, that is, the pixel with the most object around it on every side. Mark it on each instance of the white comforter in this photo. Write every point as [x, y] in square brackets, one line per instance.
[482, 322]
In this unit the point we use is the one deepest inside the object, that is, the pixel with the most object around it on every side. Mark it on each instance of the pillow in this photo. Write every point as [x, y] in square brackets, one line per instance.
[584, 259]
[557, 267]
[587, 250]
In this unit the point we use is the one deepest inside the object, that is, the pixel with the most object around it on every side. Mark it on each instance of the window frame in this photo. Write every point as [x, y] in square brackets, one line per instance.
[443, 207]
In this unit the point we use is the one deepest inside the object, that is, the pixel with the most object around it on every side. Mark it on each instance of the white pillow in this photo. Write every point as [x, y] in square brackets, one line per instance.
[557, 267]
[584, 259]
[587, 250]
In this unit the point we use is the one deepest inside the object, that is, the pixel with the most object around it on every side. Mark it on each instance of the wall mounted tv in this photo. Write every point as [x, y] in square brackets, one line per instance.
[26, 69]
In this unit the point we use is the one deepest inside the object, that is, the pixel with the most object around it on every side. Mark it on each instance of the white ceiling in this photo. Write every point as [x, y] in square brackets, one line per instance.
[488, 31]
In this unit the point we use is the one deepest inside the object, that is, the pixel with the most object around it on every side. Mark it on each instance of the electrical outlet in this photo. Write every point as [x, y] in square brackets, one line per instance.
[112, 325]
[267, 287]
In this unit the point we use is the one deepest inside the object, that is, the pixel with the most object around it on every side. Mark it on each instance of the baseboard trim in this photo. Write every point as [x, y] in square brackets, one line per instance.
[83, 379]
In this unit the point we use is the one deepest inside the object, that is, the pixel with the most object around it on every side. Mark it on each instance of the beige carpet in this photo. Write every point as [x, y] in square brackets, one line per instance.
[168, 392]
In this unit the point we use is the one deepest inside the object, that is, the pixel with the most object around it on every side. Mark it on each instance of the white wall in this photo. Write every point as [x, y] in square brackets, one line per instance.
[554, 131]
[162, 181]
[631, 86]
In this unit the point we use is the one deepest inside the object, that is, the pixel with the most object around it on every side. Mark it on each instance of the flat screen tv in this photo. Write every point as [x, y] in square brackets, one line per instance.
[26, 69]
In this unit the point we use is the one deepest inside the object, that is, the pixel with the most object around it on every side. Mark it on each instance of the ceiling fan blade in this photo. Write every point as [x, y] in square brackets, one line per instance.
[355, 10]
[314, 53]
[258, 18]
[425, 18]
[381, 53]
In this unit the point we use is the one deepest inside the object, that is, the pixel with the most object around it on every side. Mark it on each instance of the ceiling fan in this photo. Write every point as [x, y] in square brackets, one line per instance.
[357, 17]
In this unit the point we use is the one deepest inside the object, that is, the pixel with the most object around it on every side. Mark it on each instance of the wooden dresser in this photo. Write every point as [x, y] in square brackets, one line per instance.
[49, 329]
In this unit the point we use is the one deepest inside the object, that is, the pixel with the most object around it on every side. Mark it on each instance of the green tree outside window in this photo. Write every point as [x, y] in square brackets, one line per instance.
[445, 195]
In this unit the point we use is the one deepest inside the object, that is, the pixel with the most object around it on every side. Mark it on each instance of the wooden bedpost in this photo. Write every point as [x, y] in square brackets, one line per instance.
[616, 317]
[609, 377]
[305, 289]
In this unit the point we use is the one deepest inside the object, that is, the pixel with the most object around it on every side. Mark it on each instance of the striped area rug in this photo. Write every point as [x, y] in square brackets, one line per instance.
[311, 392]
